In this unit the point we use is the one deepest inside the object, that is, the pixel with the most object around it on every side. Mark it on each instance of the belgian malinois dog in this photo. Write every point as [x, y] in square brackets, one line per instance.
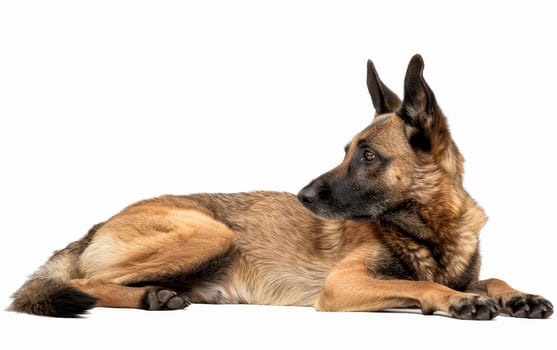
[390, 227]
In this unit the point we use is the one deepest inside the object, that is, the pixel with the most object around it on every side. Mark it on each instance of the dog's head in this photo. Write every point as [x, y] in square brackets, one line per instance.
[405, 156]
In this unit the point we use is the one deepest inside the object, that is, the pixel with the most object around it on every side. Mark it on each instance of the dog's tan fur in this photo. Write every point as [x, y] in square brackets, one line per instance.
[266, 248]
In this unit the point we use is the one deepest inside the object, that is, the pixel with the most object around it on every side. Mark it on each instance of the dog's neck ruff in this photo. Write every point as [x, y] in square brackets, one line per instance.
[438, 234]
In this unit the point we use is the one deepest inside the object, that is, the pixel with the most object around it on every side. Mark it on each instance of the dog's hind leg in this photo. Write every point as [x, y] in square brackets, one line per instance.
[115, 295]
[513, 302]
[136, 254]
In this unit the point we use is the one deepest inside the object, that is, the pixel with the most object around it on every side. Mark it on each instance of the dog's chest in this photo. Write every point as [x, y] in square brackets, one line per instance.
[450, 262]
[404, 258]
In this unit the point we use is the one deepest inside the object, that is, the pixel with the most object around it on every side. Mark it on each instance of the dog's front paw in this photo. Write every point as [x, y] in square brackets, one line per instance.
[473, 307]
[526, 306]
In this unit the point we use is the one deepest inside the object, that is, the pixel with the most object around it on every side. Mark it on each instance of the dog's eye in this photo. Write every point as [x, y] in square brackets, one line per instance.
[369, 156]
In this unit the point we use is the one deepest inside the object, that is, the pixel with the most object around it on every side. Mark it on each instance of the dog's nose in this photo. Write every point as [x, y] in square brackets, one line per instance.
[307, 195]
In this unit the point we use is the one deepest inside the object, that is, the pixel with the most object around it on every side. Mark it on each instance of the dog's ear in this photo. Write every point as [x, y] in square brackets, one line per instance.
[419, 109]
[384, 100]
[419, 101]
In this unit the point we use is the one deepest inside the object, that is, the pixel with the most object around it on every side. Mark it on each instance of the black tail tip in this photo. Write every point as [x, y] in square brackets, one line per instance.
[54, 299]
[71, 302]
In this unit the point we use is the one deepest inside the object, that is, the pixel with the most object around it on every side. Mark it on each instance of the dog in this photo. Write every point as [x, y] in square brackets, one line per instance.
[390, 227]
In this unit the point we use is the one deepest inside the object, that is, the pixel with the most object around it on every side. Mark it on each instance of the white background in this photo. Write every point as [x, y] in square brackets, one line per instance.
[103, 103]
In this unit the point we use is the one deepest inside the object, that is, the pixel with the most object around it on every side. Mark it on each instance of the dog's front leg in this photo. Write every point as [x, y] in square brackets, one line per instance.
[513, 302]
[350, 288]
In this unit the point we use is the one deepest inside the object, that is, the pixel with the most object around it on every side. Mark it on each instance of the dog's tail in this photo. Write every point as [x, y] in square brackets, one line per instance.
[47, 291]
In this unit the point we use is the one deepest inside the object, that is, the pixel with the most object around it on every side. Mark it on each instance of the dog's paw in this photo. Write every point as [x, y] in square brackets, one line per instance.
[526, 306]
[164, 299]
[473, 307]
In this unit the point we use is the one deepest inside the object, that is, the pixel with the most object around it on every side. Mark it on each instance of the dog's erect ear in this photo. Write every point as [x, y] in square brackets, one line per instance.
[419, 108]
[418, 97]
[384, 100]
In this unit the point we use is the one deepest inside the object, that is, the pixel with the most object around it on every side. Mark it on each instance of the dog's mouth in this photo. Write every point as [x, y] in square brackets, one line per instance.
[339, 214]
[361, 218]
